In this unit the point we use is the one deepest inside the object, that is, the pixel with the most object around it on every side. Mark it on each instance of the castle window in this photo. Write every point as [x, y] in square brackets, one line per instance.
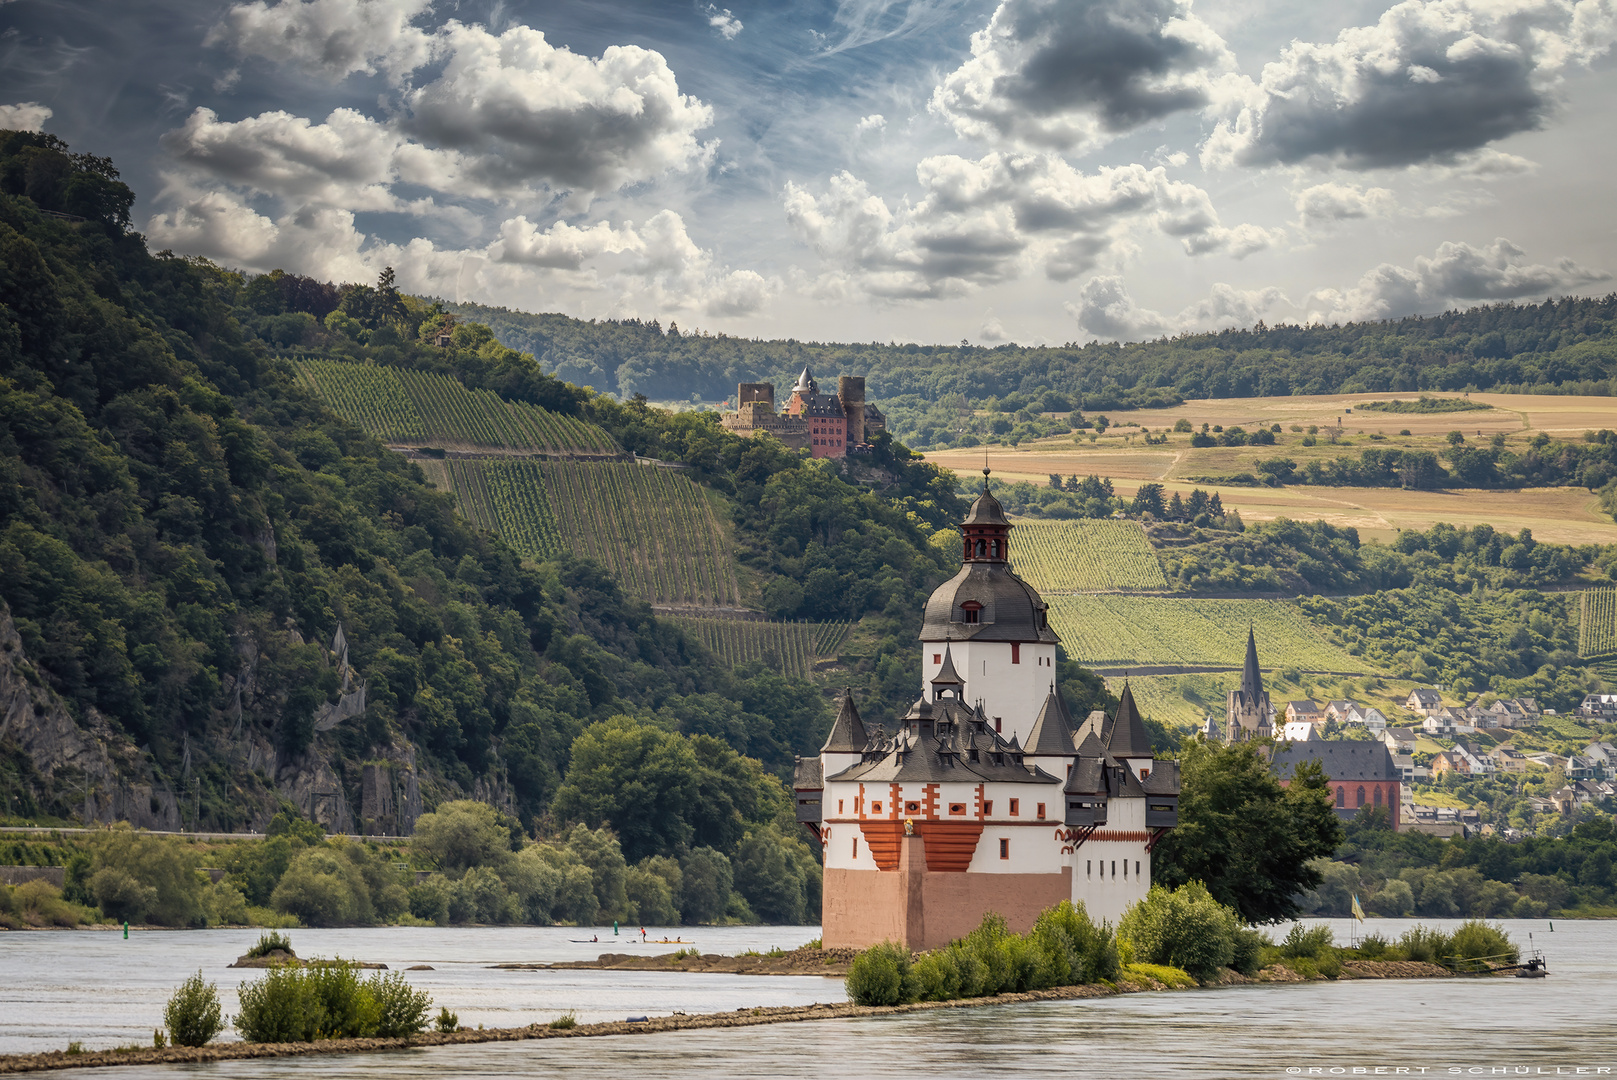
[993, 548]
[1378, 794]
[912, 808]
[875, 808]
[1016, 652]
[1341, 796]
[1004, 849]
[1041, 811]
[971, 612]
[988, 808]
[1136, 868]
[1114, 867]
[856, 847]
[1361, 796]
[1125, 869]
[1016, 808]
[982, 548]
[996, 725]
[957, 808]
[937, 658]
[1144, 773]
[1089, 868]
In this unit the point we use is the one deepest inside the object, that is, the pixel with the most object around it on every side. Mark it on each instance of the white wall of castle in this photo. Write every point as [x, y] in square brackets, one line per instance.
[1012, 692]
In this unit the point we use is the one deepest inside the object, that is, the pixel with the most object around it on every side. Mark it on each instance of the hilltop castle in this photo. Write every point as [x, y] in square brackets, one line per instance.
[987, 796]
[826, 425]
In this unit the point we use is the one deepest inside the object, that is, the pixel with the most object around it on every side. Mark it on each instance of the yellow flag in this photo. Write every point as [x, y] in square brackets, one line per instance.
[1358, 912]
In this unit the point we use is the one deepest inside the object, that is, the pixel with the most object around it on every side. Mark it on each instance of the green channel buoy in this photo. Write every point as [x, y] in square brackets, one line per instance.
[614, 928]
[126, 929]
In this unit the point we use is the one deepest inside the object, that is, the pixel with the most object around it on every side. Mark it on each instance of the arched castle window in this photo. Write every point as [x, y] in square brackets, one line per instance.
[982, 548]
[1361, 796]
[971, 611]
[1378, 796]
[993, 549]
[1341, 796]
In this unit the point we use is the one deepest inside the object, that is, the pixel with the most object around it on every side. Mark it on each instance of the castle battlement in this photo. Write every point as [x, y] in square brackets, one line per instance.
[826, 425]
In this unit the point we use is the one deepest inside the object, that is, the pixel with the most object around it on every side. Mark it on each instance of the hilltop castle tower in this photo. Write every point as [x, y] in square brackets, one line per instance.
[1250, 715]
[986, 796]
[826, 425]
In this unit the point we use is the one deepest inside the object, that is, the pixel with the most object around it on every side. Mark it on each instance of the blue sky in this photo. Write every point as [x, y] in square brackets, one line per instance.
[1016, 170]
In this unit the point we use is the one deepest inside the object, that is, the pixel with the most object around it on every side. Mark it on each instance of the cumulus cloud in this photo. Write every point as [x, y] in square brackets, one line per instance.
[1456, 273]
[725, 23]
[873, 122]
[984, 221]
[520, 109]
[26, 116]
[1324, 205]
[1105, 310]
[331, 39]
[1068, 74]
[1431, 81]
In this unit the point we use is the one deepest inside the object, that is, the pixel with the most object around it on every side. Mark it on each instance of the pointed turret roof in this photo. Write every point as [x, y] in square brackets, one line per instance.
[1128, 738]
[848, 735]
[1053, 730]
[947, 675]
[985, 509]
[1251, 676]
[806, 383]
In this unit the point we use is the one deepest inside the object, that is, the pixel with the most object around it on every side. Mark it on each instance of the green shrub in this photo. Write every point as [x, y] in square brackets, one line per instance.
[1066, 932]
[1167, 976]
[1306, 941]
[1373, 947]
[565, 1022]
[401, 1009]
[347, 1010]
[274, 941]
[1478, 940]
[447, 1021]
[986, 943]
[1185, 928]
[1329, 963]
[936, 976]
[192, 1015]
[1425, 944]
[878, 975]
[278, 1008]
[1249, 946]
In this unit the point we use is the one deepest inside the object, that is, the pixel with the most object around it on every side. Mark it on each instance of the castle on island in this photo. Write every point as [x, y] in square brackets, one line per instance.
[987, 795]
[826, 425]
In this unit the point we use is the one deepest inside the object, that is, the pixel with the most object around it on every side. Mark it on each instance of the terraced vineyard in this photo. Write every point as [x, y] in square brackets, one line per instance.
[1597, 623]
[403, 406]
[1113, 632]
[1086, 556]
[790, 648]
[651, 527]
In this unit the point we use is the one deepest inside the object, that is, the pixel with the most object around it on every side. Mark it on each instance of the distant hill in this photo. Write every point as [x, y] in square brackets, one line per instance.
[1569, 344]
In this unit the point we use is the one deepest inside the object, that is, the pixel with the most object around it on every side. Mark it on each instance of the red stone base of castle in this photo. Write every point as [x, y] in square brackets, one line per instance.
[926, 909]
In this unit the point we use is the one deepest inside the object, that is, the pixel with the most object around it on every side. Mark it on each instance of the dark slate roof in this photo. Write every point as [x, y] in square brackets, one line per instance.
[1012, 610]
[947, 675]
[848, 735]
[809, 775]
[806, 383]
[943, 741]
[1127, 737]
[1164, 779]
[1345, 760]
[1053, 730]
[985, 509]
[1251, 676]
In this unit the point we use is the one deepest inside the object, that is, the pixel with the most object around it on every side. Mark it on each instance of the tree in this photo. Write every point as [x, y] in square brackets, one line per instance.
[1244, 836]
[462, 834]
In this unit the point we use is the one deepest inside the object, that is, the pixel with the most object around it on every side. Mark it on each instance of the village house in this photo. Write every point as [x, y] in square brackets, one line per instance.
[1338, 710]
[1508, 759]
[1604, 756]
[1424, 701]
[1298, 731]
[1303, 712]
[1372, 718]
[1599, 706]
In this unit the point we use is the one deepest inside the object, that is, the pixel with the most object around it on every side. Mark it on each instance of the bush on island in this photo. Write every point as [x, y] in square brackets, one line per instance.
[328, 1000]
[878, 976]
[192, 1015]
[1183, 928]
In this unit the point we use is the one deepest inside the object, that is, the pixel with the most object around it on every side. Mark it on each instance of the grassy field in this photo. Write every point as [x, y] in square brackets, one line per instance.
[789, 648]
[412, 407]
[1559, 515]
[1085, 556]
[1112, 632]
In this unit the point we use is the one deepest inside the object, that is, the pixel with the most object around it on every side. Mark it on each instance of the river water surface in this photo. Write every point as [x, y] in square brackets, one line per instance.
[97, 988]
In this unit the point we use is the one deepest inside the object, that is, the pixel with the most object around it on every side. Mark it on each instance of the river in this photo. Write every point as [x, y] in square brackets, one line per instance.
[101, 990]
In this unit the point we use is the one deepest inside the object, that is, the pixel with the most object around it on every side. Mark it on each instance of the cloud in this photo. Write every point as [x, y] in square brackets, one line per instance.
[520, 110]
[1431, 81]
[331, 39]
[26, 116]
[1324, 205]
[988, 220]
[992, 332]
[1105, 310]
[873, 122]
[1457, 273]
[1067, 75]
[725, 23]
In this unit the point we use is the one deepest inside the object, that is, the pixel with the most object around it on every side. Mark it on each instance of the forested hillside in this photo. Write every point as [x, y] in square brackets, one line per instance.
[220, 597]
[1566, 345]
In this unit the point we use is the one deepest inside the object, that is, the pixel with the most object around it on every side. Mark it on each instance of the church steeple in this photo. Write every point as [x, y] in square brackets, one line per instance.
[986, 530]
[1251, 676]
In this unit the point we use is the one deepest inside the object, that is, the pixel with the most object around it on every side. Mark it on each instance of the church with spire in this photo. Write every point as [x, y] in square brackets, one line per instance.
[1248, 713]
[987, 795]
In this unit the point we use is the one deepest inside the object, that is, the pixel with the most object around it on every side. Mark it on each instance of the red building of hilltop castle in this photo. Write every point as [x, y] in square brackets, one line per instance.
[827, 425]
[987, 795]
